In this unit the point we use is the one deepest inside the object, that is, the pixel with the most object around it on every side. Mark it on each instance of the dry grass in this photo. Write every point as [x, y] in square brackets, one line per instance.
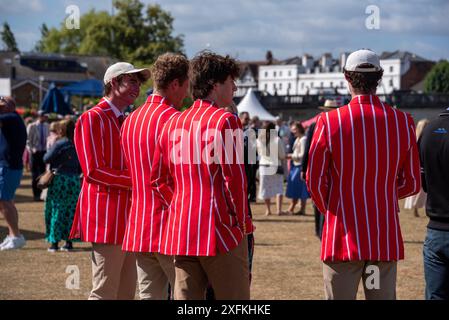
[286, 261]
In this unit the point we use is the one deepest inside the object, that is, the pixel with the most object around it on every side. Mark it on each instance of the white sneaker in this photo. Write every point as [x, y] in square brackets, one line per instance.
[5, 241]
[14, 243]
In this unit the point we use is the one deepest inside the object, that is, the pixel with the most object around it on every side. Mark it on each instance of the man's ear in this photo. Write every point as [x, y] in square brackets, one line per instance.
[114, 83]
[175, 84]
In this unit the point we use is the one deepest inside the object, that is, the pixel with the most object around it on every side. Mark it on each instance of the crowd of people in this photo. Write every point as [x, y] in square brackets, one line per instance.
[164, 196]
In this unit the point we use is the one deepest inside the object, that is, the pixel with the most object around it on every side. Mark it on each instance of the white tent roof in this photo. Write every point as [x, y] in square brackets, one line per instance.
[251, 104]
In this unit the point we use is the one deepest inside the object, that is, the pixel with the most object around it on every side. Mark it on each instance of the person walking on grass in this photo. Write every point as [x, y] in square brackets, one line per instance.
[13, 138]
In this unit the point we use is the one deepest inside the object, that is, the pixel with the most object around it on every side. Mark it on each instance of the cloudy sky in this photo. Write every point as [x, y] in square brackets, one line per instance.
[246, 29]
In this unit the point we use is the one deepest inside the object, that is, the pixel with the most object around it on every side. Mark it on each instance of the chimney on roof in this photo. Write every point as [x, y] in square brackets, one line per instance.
[326, 62]
[343, 58]
[307, 61]
[269, 57]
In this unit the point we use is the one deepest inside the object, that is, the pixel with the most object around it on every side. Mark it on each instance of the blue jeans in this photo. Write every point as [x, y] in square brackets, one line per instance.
[436, 264]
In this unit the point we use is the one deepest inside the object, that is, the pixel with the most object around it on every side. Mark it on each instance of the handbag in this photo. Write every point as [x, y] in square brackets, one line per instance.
[45, 179]
[280, 170]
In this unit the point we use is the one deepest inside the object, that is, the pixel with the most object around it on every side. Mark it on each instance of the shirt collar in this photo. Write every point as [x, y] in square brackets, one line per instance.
[116, 111]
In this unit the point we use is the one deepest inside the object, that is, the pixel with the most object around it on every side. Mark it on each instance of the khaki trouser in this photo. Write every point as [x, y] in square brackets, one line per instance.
[154, 272]
[114, 274]
[341, 279]
[227, 273]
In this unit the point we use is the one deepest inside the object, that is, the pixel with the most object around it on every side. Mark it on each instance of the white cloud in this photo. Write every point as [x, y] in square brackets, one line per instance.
[287, 27]
[21, 6]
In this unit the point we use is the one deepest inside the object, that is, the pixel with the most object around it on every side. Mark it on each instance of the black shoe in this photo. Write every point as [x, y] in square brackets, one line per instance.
[53, 247]
[67, 247]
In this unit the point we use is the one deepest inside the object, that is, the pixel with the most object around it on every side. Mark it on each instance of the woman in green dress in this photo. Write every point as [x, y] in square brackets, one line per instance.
[64, 189]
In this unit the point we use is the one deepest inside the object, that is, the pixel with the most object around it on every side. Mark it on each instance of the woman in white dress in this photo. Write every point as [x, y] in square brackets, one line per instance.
[271, 152]
[418, 200]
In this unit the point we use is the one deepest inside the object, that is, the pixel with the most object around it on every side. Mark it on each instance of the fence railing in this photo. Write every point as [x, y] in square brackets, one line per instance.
[398, 99]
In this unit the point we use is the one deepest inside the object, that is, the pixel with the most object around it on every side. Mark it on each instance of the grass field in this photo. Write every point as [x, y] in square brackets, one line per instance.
[286, 259]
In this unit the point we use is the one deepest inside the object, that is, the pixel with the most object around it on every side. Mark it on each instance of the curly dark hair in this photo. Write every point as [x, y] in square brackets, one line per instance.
[207, 69]
[364, 82]
[169, 67]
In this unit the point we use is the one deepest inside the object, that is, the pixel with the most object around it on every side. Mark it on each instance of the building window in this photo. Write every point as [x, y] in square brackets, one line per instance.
[280, 73]
[274, 86]
[280, 86]
[302, 85]
[341, 84]
[391, 69]
[321, 84]
[266, 87]
[311, 84]
[390, 83]
[274, 74]
[332, 84]
[289, 73]
[289, 86]
[266, 74]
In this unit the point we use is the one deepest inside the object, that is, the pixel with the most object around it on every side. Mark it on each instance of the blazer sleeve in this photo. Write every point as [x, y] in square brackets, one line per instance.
[233, 171]
[89, 136]
[161, 180]
[305, 159]
[409, 174]
[317, 176]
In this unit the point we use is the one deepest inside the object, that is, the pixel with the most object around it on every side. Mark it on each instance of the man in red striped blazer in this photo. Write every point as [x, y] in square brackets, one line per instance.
[104, 201]
[140, 132]
[363, 159]
[200, 175]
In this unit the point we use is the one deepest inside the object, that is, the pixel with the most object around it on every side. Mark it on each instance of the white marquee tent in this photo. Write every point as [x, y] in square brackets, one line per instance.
[251, 104]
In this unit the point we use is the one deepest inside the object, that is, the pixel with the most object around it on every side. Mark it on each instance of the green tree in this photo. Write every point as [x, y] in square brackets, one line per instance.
[44, 33]
[8, 38]
[437, 80]
[129, 35]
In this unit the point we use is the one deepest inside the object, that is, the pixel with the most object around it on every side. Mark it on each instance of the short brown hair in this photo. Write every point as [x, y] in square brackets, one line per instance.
[364, 82]
[169, 67]
[207, 69]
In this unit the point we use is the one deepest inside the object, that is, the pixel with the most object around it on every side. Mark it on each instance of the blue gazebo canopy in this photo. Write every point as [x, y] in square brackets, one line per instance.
[54, 102]
[90, 88]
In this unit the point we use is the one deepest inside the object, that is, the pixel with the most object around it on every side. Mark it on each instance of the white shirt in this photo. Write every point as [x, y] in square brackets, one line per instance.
[117, 112]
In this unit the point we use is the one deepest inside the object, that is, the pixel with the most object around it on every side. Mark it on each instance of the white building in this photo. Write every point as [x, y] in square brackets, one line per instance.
[304, 75]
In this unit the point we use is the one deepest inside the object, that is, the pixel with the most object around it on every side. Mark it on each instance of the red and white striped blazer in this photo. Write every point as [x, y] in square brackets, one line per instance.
[104, 201]
[140, 133]
[363, 158]
[208, 206]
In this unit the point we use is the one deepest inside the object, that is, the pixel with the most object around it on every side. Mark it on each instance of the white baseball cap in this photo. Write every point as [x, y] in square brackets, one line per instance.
[124, 68]
[363, 57]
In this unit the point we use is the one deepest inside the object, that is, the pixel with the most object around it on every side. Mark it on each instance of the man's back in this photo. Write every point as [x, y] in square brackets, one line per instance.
[206, 207]
[139, 135]
[14, 131]
[434, 154]
[365, 161]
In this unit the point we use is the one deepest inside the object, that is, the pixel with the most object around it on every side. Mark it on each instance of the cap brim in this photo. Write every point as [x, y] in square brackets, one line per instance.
[144, 72]
[327, 108]
[357, 69]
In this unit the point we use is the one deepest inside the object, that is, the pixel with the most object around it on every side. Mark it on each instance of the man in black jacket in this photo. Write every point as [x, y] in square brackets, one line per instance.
[434, 156]
[12, 144]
